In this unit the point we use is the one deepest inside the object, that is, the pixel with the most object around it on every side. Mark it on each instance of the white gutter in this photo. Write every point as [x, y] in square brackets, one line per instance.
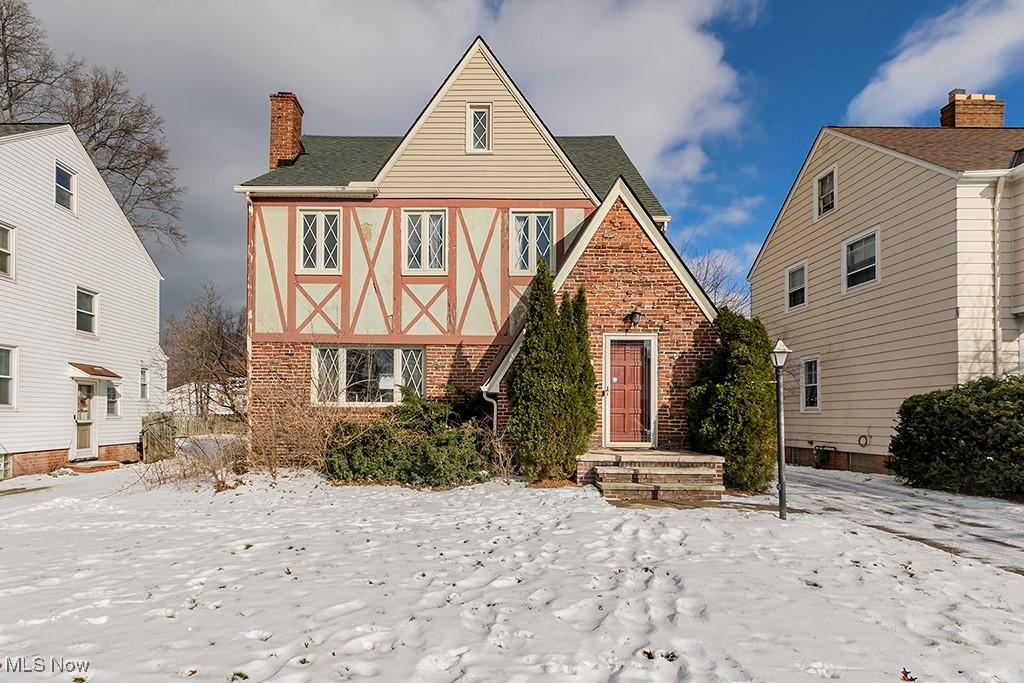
[352, 190]
[997, 329]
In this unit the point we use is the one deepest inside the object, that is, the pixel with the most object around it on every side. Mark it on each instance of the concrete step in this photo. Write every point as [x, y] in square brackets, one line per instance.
[88, 466]
[587, 464]
[678, 492]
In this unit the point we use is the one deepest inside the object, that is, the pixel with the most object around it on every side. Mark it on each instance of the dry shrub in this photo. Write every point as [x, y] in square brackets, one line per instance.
[290, 432]
[218, 460]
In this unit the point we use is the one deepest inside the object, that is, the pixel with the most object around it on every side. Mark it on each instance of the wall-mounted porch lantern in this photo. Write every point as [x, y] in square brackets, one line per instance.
[633, 317]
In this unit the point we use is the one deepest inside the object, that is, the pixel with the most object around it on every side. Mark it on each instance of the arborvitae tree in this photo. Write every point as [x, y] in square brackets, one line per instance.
[534, 385]
[584, 401]
[732, 402]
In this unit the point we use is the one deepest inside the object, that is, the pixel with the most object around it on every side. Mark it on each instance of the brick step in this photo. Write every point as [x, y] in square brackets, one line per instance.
[673, 492]
[587, 465]
[658, 475]
[88, 466]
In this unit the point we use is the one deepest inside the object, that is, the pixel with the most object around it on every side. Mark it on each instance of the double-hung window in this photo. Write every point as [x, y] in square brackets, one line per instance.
[113, 400]
[321, 241]
[6, 251]
[64, 186]
[825, 193]
[6, 377]
[478, 128]
[796, 286]
[425, 243]
[85, 311]
[144, 384]
[366, 375]
[860, 260]
[531, 242]
[810, 383]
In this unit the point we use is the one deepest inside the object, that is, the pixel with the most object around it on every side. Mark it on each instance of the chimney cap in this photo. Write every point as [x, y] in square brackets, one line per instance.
[956, 91]
[287, 95]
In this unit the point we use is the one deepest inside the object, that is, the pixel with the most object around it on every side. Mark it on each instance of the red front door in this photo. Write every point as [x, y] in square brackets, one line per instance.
[629, 389]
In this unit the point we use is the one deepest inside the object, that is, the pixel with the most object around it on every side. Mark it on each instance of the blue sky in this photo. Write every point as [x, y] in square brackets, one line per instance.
[716, 101]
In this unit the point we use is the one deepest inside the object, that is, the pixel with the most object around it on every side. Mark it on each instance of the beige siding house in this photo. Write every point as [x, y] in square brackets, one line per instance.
[895, 266]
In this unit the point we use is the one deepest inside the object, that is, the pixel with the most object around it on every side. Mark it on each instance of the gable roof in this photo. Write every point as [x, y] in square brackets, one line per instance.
[336, 160]
[956, 149]
[945, 149]
[620, 190]
[19, 128]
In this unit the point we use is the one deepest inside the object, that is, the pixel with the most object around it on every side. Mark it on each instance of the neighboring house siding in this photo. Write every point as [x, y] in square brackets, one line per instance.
[55, 253]
[975, 280]
[1016, 195]
[879, 344]
[435, 162]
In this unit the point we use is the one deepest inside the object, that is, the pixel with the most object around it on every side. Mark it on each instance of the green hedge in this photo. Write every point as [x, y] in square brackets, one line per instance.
[419, 442]
[969, 439]
[732, 403]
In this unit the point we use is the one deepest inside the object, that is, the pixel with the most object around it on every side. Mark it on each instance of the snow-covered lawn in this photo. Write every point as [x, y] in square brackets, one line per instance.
[303, 581]
[986, 529]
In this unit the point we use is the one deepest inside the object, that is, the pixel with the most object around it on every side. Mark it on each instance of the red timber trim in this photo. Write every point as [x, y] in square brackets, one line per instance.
[250, 268]
[355, 297]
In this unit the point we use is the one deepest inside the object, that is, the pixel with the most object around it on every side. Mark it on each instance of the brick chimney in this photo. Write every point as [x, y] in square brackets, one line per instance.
[285, 128]
[972, 111]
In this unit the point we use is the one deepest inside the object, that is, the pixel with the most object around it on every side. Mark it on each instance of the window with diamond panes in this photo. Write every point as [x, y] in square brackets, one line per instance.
[425, 242]
[321, 242]
[532, 241]
[413, 371]
[480, 128]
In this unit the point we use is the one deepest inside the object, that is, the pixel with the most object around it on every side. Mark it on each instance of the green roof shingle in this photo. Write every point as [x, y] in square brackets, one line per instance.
[331, 160]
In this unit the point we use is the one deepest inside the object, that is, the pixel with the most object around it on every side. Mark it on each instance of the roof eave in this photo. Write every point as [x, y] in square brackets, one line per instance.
[354, 190]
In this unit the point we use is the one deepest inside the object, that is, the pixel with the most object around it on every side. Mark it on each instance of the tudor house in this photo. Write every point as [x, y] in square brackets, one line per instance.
[80, 361]
[895, 267]
[379, 265]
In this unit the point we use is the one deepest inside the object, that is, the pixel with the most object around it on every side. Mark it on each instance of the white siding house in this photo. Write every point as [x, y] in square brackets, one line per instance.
[80, 361]
[884, 273]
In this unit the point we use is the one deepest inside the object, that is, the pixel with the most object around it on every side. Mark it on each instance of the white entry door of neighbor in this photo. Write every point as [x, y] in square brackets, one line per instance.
[84, 446]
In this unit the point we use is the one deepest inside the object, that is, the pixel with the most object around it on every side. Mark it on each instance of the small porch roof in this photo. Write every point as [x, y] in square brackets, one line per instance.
[87, 371]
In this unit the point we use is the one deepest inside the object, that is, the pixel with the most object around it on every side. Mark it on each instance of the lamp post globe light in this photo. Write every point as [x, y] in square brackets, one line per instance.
[779, 355]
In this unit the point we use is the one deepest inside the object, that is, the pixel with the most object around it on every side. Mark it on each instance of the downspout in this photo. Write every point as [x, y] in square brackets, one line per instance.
[997, 329]
[494, 409]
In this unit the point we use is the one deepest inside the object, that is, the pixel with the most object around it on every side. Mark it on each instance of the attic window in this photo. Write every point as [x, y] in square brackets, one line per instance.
[478, 128]
[825, 193]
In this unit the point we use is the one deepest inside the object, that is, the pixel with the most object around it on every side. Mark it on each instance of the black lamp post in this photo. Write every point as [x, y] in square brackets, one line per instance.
[779, 355]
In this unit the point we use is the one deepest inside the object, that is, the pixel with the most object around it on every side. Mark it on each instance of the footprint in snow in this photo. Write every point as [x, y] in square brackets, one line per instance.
[257, 634]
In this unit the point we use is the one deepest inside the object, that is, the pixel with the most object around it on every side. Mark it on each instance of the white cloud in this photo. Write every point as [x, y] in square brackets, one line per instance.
[971, 46]
[737, 212]
[649, 72]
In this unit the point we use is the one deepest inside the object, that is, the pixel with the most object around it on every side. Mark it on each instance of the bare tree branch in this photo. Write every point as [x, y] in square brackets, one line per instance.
[722, 277]
[122, 132]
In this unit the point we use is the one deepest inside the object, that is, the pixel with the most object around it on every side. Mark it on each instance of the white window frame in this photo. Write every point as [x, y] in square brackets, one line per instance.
[143, 384]
[479, 106]
[73, 209]
[816, 359]
[877, 231]
[12, 245]
[834, 170]
[95, 313]
[512, 255]
[13, 405]
[299, 230]
[786, 288]
[424, 269]
[116, 386]
[397, 364]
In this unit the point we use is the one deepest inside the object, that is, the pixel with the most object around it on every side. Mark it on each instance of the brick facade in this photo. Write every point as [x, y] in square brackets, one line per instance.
[621, 269]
